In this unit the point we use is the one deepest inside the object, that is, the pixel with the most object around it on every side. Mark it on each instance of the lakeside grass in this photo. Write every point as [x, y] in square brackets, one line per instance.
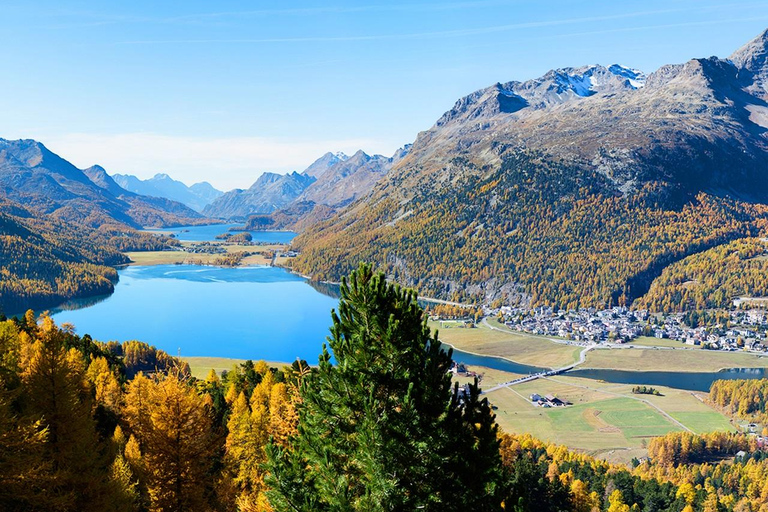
[521, 348]
[606, 420]
[180, 257]
[200, 366]
[678, 360]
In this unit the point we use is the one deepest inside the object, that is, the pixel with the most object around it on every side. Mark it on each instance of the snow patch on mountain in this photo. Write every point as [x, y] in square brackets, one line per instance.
[635, 77]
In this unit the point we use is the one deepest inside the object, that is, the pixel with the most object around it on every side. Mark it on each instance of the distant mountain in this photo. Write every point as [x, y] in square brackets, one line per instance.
[349, 179]
[32, 175]
[575, 188]
[270, 192]
[197, 196]
[325, 162]
[341, 180]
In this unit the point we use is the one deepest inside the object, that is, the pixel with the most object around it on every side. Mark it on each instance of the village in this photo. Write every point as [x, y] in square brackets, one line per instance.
[745, 330]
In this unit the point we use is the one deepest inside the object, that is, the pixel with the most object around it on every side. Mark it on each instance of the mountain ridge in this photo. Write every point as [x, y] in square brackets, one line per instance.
[33, 175]
[686, 142]
[196, 196]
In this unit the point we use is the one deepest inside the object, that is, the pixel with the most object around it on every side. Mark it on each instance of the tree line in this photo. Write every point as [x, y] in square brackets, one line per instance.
[742, 398]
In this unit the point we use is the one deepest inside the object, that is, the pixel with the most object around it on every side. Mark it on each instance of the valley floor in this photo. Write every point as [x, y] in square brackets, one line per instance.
[605, 420]
[647, 354]
[255, 255]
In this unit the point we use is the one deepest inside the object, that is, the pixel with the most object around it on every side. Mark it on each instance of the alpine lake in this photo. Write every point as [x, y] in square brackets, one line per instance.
[265, 312]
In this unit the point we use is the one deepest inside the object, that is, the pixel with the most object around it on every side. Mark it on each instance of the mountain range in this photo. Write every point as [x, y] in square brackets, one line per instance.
[196, 196]
[331, 182]
[575, 188]
[32, 175]
[269, 192]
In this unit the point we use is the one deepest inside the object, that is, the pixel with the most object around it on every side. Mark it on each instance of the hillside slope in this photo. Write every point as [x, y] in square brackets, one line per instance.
[32, 175]
[44, 261]
[576, 188]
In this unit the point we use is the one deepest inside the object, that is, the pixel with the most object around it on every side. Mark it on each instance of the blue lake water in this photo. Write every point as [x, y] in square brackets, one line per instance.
[209, 233]
[694, 381]
[246, 312]
[266, 313]
[497, 363]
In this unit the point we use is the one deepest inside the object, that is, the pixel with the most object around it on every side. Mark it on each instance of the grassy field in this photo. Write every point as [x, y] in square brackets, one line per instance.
[647, 341]
[605, 420]
[200, 366]
[679, 360]
[172, 257]
[522, 348]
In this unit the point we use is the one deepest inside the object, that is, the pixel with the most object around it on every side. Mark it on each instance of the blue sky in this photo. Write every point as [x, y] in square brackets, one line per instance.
[226, 90]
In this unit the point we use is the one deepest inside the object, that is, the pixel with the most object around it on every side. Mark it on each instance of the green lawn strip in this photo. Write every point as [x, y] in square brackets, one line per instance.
[648, 341]
[703, 421]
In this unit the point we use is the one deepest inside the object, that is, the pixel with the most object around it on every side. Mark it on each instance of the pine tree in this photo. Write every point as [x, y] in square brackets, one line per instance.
[381, 429]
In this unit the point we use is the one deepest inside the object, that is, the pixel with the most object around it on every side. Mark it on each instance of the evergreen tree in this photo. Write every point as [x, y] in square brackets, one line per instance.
[381, 429]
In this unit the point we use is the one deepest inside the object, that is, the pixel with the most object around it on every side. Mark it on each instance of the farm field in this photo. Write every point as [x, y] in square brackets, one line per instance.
[677, 360]
[521, 348]
[605, 420]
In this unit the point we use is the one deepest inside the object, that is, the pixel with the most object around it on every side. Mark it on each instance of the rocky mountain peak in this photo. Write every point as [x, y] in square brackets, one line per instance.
[752, 61]
[325, 162]
[555, 87]
[753, 55]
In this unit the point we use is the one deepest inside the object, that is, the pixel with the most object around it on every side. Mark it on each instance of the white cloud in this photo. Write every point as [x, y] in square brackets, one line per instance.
[224, 162]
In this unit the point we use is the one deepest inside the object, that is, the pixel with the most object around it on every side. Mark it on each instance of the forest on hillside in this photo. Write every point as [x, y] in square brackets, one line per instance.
[535, 229]
[97, 426]
[746, 399]
[45, 261]
[712, 278]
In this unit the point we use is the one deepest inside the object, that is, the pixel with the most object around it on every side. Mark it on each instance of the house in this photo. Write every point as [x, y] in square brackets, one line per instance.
[555, 402]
